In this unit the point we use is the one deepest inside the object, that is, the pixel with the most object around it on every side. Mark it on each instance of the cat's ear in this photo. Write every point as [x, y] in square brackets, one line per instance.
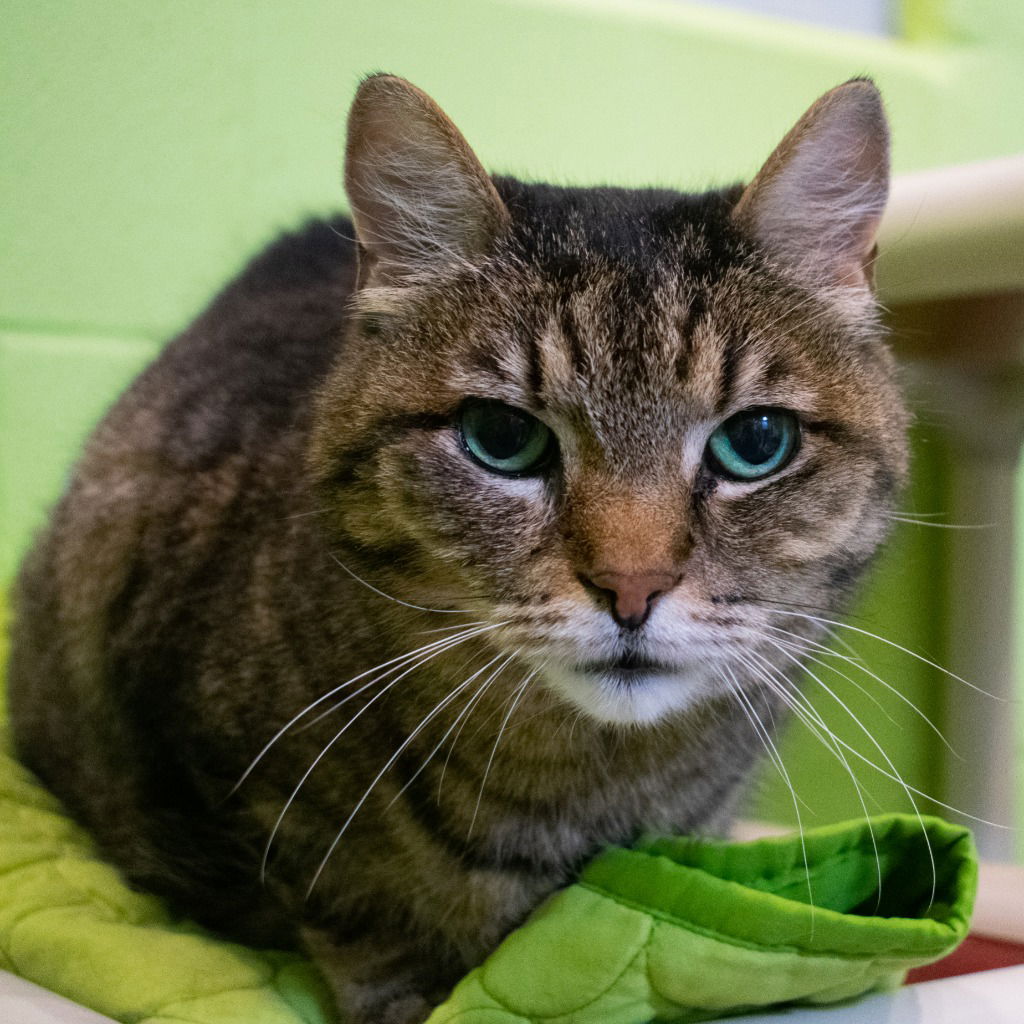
[817, 202]
[420, 199]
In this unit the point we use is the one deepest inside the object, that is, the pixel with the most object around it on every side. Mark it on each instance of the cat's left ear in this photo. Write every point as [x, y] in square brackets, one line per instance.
[817, 202]
[420, 199]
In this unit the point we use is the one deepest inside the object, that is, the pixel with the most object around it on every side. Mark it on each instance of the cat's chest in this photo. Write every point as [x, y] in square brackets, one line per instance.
[556, 817]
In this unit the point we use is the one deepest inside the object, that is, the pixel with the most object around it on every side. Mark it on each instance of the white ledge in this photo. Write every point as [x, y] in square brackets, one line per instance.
[991, 997]
[952, 232]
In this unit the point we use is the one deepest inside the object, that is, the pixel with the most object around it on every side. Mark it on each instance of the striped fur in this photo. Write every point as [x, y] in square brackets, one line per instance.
[281, 502]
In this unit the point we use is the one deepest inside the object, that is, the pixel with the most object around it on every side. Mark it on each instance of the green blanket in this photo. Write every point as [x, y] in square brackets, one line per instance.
[674, 929]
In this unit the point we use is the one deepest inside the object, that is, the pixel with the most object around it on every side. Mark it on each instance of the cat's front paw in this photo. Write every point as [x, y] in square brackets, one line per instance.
[410, 1009]
[379, 979]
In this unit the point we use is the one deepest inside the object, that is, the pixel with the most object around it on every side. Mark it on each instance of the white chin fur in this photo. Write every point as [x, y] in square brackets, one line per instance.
[643, 701]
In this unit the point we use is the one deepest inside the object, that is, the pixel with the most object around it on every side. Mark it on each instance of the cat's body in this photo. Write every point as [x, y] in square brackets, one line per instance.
[289, 497]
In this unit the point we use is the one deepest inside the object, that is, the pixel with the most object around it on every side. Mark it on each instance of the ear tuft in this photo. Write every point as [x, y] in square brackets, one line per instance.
[420, 200]
[817, 202]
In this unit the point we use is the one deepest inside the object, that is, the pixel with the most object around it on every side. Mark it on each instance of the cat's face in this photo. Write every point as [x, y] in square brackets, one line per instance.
[622, 430]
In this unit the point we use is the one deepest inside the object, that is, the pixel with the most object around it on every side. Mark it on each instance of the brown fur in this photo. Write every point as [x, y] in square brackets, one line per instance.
[282, 502]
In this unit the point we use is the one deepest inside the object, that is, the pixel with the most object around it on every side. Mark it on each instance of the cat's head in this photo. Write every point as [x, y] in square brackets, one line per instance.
[631, 425]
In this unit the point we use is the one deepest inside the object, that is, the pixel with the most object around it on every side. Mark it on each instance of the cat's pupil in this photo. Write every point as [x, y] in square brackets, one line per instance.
[755, 438]
[504, 432]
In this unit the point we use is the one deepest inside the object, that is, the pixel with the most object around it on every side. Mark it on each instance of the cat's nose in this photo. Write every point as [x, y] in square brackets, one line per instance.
[631, 594]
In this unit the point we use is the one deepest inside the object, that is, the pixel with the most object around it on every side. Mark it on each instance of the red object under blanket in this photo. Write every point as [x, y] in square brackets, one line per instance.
[975, 953]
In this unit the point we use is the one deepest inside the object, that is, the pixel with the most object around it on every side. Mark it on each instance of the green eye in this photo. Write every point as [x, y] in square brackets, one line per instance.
[504, 439]
[754, 444]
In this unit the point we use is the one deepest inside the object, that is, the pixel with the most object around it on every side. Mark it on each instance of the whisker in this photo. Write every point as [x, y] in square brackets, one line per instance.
[805, 711]
[319, 700]
[941, 526]
[890, 643]
[921, 793]
[789, 695]
[856, 663]
[437, 709]
[447, 645]
[487, 771]
[440, 643]
[447, 629]
[733, 686]
[898, 779]
[407, 604]
[303, 515]
[467, 711]
[771, 603]
[575, 722]
[810, 718]
[913, 803]
[476, 694]
[806, 654]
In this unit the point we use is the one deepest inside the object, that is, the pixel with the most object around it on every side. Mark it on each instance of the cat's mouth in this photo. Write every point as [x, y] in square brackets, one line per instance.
[627, 666]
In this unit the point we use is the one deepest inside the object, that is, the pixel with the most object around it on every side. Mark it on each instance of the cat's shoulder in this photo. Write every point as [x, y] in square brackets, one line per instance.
[293, 292]
[321, 251]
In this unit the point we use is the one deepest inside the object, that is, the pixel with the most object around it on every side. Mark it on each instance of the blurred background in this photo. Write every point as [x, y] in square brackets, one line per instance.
[146, 149]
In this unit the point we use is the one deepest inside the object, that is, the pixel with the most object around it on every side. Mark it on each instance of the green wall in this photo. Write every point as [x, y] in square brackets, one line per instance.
[148, 147]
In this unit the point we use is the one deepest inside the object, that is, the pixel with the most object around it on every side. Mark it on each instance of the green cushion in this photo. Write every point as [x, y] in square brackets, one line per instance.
[673, 929]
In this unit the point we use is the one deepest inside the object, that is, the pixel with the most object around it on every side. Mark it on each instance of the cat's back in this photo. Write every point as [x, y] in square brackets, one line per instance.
[241, 375]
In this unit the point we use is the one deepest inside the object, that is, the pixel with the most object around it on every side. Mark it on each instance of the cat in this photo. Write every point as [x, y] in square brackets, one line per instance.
[459, 539]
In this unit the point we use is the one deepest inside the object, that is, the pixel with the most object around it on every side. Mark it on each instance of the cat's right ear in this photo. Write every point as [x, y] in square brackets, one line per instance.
[420, 199]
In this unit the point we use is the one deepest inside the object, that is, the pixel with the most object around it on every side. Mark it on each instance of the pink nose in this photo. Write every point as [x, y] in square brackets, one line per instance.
[632, 594]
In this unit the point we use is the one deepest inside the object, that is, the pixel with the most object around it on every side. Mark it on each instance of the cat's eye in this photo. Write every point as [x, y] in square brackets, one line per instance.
[504, 439]
[754, 444]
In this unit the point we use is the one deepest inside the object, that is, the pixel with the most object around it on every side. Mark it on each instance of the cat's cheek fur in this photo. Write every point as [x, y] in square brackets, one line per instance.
[494, 526]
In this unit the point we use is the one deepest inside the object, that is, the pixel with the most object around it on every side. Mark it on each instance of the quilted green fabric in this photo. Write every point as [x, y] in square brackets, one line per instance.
[673, 929]
[687, 930]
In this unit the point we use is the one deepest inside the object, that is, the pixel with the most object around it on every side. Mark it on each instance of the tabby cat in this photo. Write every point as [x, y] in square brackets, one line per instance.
[429, 560]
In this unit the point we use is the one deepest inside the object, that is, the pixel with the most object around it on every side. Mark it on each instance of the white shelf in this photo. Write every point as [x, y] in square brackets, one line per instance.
[954, 231]
[990, 997]
[21, 1002]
